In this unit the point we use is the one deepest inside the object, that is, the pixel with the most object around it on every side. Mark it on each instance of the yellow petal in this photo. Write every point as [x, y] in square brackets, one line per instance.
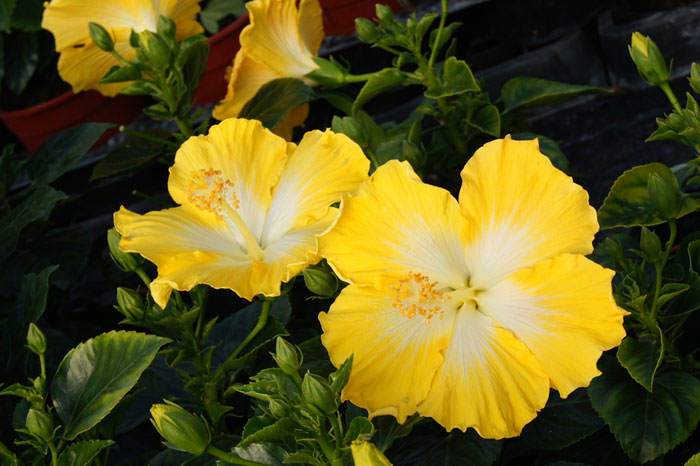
[366, 454]
[81, 64]
[489, 381]
[311, 24]
[318, 172]
[247, 77]
[247, 155]
[564, 311]
[394, 357]
[396, 225]
[274, 37]
[521, 210]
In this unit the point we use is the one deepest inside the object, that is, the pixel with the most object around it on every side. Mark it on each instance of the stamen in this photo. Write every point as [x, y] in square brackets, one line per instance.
[416, 295]
[209, 190]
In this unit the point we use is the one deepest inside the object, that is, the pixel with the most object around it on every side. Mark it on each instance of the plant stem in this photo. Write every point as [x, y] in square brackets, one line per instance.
[337, 430]
[143, 276]
[54, 454]
[262, 321]
[184, 127]
[230, 457]
[438, 37]
[660, 268]
[666, 87]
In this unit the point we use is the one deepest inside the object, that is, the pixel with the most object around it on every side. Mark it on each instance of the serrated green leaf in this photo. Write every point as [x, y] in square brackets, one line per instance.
[628, 204]
[95, 375]
[82, 453]
[381, 82]
[524, 92]
[670, 291]
[642, 359]
[63, 151]
[276, 99]
[646, 425]
[37, 206]
[262, 453]
[272, 433]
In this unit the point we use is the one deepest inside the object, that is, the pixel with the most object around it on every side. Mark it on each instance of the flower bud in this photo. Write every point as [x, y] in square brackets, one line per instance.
[36, 341]
[154, 50]
[366, 454]
[101, 37]
[383, 13]
[319, 279]
[130, 304]
[695, 77]
[166, 27]
[340, 377]
[648, 59]
[318, 394]
[665, 196]
[367, 31]
[287, 356]
[126, 261]
[650, 244]
[182, 430]
[40, 424]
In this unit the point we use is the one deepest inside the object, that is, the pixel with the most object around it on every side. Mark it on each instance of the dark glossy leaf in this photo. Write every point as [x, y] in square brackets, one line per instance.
[561, 423]
[646, 425]
[487, 120]
[629, 204]
[523, 92]
[383, 81]
[453, 449]
[82, 453]
[31, 301]
[126, 158]
[642, 359]
[276, 99]
[94, 376]
[37, 206]
[27, 15]
[21, 60]
[457, 78]
[63, 152]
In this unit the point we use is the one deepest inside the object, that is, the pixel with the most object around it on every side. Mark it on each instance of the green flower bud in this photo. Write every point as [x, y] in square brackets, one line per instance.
[648, 59]
[101, 37]
[695, 77]
[367, 31]
[40, 424]
[383, 13]
[650, 245]
[124, 260]
[287, 356]
[36, 341]
[318, 394]
[130, 304]
[665, 196]
[154, 51]
[182, 430]
[340, 377]
[166, 27]
[366, 454]
[320, 280]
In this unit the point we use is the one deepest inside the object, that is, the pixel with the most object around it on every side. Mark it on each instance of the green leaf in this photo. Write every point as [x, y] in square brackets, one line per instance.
[487, 120]
[82, 453]
[646, 425]
[641, 358]
[216, 10]
[33, 294]
[453, 449]
[21, 60]
[273, 433]
[95, 375]
[670, 291]
[27, 15]
[37, 206]
[129, 156]
[561, 423]
[694, 460]
[6, 8]
[261, 453]
[457, 78]
[381, 82]
[523, 92]
[276, 99]
[628, 204]
[63, 151]
[120, 74]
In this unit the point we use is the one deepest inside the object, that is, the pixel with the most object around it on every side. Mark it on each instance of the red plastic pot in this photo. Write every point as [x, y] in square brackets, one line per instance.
[339, 15]
[36, 124]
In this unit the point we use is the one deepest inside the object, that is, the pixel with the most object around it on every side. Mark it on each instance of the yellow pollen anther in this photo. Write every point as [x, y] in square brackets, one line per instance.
[209, 190]
[417, 295]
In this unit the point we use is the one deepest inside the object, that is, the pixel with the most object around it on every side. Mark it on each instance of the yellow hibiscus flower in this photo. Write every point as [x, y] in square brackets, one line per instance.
[281, 41]
[251, 206]
[468, 312]
[366, 454]
[82, 64]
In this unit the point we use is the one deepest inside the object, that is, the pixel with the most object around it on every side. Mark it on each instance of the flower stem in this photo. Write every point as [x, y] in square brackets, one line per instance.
[666, 87]
[143, 276]
[438, 37]
[230, 457]
[660, 268]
